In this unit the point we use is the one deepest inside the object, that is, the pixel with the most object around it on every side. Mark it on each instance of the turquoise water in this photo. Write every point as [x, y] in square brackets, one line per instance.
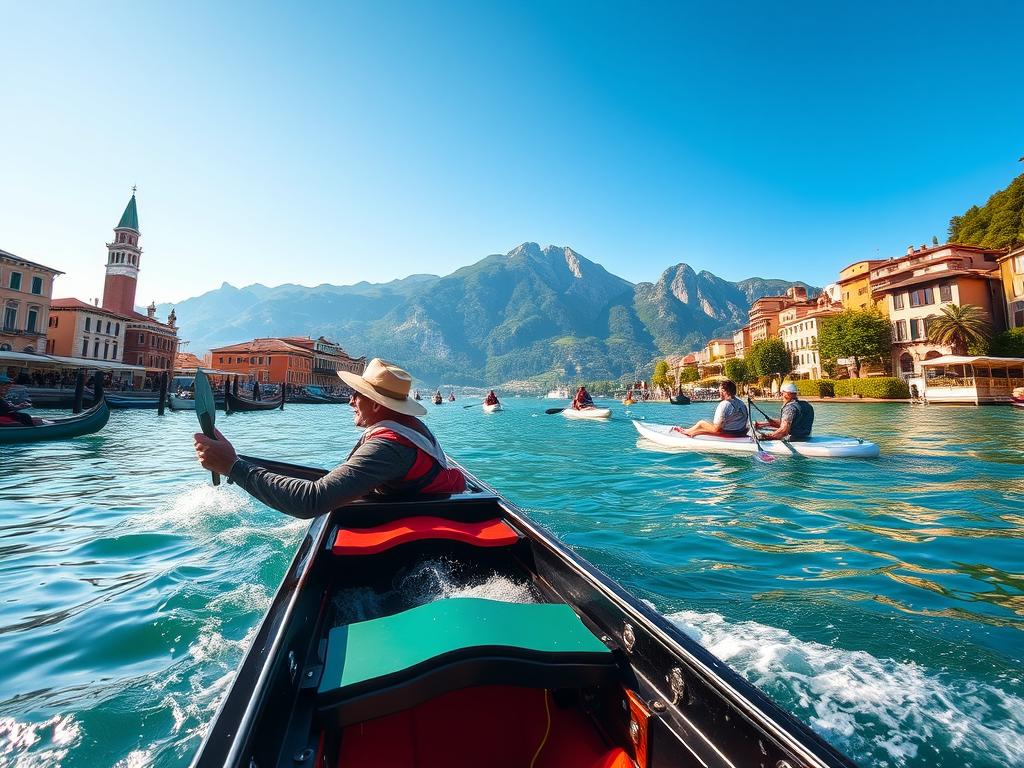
[882, 601]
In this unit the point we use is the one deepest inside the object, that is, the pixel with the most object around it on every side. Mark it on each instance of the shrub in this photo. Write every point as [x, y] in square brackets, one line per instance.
[884, 387]
[1008, 344]
[815, 387]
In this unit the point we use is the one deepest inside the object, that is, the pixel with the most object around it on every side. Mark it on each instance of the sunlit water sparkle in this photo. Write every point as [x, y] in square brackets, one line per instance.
[881, 601]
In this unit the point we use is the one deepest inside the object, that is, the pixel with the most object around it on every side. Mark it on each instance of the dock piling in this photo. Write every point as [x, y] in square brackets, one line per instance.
[76, 406]
[163, 394]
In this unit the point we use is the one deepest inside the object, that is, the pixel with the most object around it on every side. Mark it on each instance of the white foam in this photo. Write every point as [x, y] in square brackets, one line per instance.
[138, 758]
[881, 711]
[26, 745]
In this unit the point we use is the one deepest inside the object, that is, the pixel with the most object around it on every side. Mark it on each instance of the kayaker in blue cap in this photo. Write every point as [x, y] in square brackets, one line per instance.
[730, 418]
[9, 412]
[794, 422]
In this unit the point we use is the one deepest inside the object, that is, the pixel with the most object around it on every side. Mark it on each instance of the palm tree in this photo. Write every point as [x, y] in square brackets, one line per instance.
[960, 326]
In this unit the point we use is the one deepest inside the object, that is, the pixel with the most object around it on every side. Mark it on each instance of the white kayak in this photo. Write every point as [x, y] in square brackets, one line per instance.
[587, 413]
[492, 408]
[826, 446]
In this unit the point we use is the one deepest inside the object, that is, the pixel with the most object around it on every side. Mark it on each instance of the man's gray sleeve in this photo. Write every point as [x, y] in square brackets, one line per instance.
[375, 463]
[787, 415]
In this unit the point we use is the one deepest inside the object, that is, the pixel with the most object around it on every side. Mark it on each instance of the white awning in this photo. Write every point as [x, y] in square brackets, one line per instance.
[25, 358]
[22, 357]
[964, 360]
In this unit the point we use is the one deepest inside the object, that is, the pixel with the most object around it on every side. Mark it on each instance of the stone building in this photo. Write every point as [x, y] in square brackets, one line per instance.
[26, 289]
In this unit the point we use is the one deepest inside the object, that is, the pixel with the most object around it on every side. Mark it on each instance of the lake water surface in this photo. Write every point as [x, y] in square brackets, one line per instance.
[882, 601]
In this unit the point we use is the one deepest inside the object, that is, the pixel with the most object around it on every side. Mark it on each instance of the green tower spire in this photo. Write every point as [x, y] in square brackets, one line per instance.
[130, 217]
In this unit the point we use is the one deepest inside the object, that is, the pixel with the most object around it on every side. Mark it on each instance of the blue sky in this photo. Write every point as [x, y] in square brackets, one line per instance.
[337, 143]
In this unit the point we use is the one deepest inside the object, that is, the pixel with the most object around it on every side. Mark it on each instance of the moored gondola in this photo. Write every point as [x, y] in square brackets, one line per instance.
[679, 399]
[360, 662]
[85, 423]
[237, 403]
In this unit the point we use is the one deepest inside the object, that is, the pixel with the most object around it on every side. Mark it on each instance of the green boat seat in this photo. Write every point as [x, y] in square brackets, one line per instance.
[382, 666]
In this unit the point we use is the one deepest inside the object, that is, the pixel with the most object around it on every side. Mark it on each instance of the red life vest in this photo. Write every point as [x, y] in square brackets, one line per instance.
[426, 475]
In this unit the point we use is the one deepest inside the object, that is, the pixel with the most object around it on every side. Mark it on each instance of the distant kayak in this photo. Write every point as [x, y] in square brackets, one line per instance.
[587, 413]
[492, 408]
[826, 446]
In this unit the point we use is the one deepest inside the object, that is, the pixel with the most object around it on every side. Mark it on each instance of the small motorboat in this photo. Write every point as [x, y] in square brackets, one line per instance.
[592, 412]
[825, 446]
[386, 646]
[182, 402]
[139, 400]
[438, 399]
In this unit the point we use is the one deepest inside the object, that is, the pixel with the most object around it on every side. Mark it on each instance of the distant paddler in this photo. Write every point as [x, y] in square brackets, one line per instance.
[794, 422]
[491, 399]
[10, 413]
[582, 399]
[730, 418]
[396, 454]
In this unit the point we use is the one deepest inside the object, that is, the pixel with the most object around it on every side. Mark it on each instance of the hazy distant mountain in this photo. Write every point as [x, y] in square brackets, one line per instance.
[514, 316]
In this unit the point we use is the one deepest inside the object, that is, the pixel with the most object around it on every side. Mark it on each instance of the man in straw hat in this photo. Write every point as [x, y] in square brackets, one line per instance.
[396, 453]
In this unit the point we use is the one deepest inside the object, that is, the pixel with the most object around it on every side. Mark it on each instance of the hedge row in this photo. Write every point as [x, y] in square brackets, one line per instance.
[815, 387]
[883, 387]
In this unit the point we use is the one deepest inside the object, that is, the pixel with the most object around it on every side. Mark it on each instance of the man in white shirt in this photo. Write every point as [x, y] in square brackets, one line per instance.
[730, 416]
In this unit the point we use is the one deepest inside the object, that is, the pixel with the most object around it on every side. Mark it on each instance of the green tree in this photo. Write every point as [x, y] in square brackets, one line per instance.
[863, 336]
[659, 379]
[960, 326]
[935, 239]
[737, 370]
[997, 224]
[689, 374]
[1008, 344]
[769, 357]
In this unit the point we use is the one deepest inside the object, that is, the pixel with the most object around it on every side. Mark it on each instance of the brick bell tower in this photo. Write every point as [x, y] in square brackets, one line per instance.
[123, 262]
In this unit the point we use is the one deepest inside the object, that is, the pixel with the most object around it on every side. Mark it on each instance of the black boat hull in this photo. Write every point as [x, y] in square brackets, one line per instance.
[699, 706]
[235, 403]
[85, 423]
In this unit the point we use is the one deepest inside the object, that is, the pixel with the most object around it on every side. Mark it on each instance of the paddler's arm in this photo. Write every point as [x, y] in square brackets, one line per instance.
[375, 463]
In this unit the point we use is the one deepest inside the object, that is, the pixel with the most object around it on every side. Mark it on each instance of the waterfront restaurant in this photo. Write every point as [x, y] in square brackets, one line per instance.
[970, 380]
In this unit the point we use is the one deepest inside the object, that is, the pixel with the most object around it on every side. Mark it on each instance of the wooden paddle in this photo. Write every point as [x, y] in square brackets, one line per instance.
[206, 410]
[554, 410]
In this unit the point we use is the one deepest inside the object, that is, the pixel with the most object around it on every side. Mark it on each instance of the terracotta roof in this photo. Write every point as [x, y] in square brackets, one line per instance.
[78, 304]
[935, 277]
[261, 345]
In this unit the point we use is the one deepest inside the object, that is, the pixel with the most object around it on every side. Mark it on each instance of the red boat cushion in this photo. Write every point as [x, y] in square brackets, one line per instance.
[371, 541]
[493, 726]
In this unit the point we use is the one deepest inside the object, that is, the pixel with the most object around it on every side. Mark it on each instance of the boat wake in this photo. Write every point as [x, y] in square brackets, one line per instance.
[886, 712]
[49, 741]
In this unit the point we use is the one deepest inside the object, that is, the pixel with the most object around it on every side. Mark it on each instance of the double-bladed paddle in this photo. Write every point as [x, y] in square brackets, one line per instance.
[206, 411]
[554, 410]
[761, 455]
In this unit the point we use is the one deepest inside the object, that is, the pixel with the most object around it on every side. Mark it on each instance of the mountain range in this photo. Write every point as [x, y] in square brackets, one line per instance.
[534, 315]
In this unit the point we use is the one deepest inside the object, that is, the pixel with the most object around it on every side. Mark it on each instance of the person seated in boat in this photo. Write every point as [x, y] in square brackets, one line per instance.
[10, 413]
[730, 418]
[582, 399]
[396, 454]
[795, 421]
[256, 394]
[491, 399]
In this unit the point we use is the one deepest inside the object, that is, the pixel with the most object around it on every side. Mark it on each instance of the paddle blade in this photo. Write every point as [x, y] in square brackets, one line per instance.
[550, 411]
[764, 458]
[206, 411]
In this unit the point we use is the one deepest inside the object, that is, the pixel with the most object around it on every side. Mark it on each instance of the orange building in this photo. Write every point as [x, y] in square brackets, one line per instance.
[271, 360]
[25, 291]
[855, 286]
[328, 359]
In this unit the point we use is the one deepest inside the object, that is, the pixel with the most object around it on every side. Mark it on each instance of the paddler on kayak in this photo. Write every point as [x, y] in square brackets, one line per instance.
[396, 453]
[582, 399]
[491, 399]
[730, 416]
[795, 421]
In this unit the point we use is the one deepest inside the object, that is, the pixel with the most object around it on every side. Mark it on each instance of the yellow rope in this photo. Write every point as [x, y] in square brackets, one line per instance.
[547, 730]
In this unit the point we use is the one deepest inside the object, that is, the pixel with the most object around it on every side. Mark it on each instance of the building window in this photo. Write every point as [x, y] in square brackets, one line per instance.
[88, 323]
[946, 292]
[11, 317]
[15, 281]
[37, 286]
[897, 301]
[85, 347]
[106, 349]
[1018, 313]
[900, 330]
[33, 318]
[96, 348]
[922, 297]
[115, 351]
[915, 329]
[142, 338]
[117, 329]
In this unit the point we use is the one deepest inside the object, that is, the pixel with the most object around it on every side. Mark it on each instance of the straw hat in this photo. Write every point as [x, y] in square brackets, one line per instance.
[386, 384]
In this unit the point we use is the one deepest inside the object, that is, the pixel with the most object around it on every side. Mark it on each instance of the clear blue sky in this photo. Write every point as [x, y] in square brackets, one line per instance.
[337, 143]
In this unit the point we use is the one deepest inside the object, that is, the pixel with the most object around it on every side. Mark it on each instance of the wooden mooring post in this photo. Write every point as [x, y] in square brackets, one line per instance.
[163, 394]
[76, 406]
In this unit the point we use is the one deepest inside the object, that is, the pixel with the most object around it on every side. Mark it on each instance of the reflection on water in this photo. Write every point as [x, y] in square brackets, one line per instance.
[879, 600]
